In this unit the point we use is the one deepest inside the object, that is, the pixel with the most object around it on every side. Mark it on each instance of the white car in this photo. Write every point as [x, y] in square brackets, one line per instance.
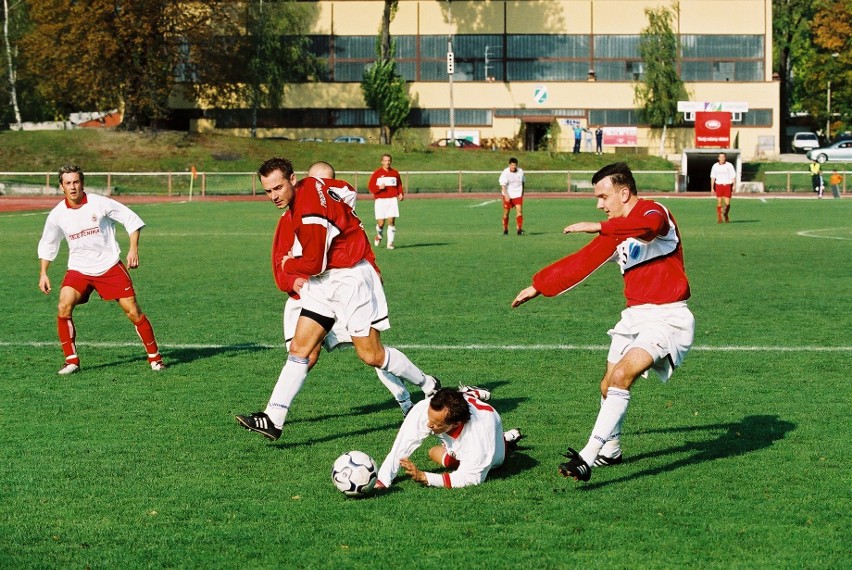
[803, 142]
[841, 151]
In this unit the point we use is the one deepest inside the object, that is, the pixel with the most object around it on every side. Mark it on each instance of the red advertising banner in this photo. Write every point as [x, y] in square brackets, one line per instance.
[619, 136]
[712, 129]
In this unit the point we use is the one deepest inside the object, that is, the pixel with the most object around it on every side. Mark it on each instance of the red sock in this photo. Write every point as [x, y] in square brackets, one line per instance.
[146, 333]
[520, 221]
[68, 339]
[719, 213]
[505, 224]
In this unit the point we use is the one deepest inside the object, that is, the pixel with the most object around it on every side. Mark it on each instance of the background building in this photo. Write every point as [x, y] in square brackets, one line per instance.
[527, 72]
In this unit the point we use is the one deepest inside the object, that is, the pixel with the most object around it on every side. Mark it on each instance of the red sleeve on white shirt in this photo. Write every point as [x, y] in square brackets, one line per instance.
[569, 271]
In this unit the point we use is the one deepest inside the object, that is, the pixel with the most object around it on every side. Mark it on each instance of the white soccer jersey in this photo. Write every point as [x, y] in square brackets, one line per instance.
[90, 232]
[513, 181]
[723, 173]
[478, 447]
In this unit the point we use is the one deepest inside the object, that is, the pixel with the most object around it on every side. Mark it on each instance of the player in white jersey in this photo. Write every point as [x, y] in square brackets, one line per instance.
[723, 176]
[512, 187]
[87, 223]
[471, 435]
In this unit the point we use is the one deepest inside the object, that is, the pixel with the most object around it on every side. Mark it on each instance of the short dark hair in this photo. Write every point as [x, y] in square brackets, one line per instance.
[276, 163]
[620, 175]
[453, 401]
[513, 160]
[68, 169]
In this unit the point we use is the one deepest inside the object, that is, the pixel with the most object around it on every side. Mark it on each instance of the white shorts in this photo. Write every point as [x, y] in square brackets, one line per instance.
[387, 208]
[337, 337]
[663, 331]
[353, 297]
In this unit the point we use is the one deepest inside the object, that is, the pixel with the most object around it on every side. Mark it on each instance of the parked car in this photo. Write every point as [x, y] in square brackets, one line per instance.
[804, 141]
[459, 143]
[840, 151]
[350, 139]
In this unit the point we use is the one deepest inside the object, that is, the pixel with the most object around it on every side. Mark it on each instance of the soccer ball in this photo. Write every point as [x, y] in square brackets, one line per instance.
[354, 473]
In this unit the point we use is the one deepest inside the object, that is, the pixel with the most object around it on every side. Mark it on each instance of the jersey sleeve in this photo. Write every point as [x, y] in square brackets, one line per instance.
[51, 239]
[313, 228]
[570, 271]
[124, 216]
[372, 186]
[411, 434]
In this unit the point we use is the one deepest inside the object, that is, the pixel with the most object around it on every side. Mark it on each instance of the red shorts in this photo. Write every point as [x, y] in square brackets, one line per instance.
[114, 284]
[508, 203]
[723, 190]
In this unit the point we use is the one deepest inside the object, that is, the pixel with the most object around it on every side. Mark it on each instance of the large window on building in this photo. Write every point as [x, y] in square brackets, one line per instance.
[722, 58]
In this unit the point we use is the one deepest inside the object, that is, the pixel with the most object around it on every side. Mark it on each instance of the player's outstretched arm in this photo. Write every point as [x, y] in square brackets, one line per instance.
[412, 470]
[525, 295]
[583, 227]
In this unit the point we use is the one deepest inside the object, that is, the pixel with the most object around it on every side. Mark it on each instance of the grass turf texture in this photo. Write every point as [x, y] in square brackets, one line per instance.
[738, 462]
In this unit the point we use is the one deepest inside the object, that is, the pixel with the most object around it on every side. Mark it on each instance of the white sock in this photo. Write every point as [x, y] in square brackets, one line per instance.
[611, 414]
[379, 232]
[289, 383]
[612, 447]
[394, 385]
[391, 234]
[400, 366]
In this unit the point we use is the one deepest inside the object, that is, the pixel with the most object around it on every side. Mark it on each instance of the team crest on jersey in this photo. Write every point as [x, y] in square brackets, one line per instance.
[634, 250]
[94, 218]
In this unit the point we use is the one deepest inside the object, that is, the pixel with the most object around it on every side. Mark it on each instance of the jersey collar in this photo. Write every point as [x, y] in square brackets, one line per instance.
[456, 432]
[70, 205]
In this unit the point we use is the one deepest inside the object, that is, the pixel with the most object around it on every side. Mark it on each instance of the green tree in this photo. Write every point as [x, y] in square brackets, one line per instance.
[824, 76]
[278, 53]
[385, 91]
[660, 86]
[791, 41]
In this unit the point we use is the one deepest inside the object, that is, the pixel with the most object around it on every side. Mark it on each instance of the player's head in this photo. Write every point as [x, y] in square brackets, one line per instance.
[513, 164]
[322, 169]
[722, 157]
[278, 181]
[386, 161]
[447, 410]
[619, 175]
[71, 169]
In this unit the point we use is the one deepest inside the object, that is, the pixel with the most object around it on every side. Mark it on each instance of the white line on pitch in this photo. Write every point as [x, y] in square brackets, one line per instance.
[812, 233]
[487, 202]
[236, 346]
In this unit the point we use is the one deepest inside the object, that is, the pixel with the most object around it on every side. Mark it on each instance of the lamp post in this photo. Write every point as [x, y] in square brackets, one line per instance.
[451, 70]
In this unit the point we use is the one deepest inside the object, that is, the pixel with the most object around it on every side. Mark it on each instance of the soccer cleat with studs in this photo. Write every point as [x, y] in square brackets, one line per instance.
[476, 392]
[512, 437]
[261, 423]
[158, 365]
[69, 368]
[521, 232]
[575, 467]
[604, 461]
[435, 387]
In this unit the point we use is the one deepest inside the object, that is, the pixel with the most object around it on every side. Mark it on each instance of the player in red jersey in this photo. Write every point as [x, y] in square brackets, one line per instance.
[343, 288]
[87, 222]
[386, 185]
[656, 329]
[283, 244]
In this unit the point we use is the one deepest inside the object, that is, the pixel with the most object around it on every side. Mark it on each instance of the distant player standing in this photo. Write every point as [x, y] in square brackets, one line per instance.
[512, 188]
[656, 329]
[284, 243]
[722, 179]
[386, 185]
[471, 436]
[343, 287]
[87, 222]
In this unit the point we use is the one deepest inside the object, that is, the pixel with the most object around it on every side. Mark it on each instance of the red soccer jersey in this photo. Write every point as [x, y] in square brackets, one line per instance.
[645, 244]
[391, 181]
[329, 233]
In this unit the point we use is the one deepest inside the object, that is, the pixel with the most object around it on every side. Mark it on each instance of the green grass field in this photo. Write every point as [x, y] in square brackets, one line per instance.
[737, 462]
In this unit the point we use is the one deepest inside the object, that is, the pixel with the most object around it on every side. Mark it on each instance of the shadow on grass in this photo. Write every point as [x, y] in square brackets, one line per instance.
[752, 433]
[413, 245]
[515, 463]
[175, 356]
